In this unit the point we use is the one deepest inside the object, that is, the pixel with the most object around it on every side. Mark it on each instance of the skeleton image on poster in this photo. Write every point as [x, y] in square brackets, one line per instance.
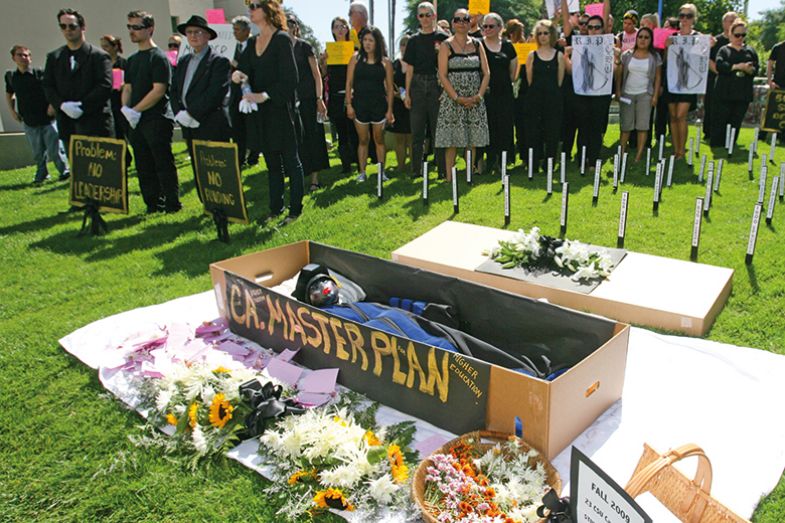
[688, 64]
[554, 5]
[592, 64]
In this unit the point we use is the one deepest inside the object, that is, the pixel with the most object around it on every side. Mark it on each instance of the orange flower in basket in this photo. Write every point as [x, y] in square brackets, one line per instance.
[490, 493]
[465, 508]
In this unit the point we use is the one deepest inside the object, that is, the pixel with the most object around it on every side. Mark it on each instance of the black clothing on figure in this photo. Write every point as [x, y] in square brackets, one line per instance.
[121, 126]
[521, 118]
[313, 151]
[719, 41]
[31, 102]
[476, 34]
[369, 98]
[272, 128]
[336, 110]
[422, 54]
[238, 120]
[777, 56]
[544, 99]
[89, 81]
[152, 137]
[732, 92]
[591, 111]
[499, 100]
[402, 123]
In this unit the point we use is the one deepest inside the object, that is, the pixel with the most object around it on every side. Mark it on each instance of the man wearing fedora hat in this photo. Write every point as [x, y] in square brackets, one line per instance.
[200, 84]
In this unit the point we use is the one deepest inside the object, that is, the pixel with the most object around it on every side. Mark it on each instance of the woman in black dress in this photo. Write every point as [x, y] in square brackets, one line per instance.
[313, 150]
[499, 99]
[336, 102]
[737, 65]
[401, 129]
[114, 47]
[369, 96]
[545, 70]
[268, 73]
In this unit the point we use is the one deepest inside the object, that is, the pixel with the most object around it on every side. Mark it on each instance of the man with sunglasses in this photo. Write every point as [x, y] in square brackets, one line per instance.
[146, 107]
[78, 82]
[241, 27]
[422, 85]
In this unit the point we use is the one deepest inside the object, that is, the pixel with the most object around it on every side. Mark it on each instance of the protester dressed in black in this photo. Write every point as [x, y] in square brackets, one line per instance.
[268, 68]
[336, 103]
[113, 47]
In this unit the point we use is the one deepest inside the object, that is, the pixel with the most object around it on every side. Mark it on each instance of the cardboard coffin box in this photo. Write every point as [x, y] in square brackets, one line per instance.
[643, 289]
[454, 391]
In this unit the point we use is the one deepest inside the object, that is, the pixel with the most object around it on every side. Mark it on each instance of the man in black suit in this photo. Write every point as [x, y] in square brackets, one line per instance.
[241, 26]
[78, 82]
[201, 82]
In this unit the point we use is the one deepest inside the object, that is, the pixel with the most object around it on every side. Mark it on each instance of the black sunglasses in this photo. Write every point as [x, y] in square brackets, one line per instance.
[461, 19]
[543, 33]
[689, 16]
[72, 27]
[424, 15]
[174, 46]
[136, 27]
[489, 26]
[594, 27]
[583, 22]
[253, 5]
[739, 35]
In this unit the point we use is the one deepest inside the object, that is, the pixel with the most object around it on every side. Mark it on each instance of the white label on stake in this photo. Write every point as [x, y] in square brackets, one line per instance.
[597, 168]
[709, 179]
[468, 166]
[425, 180]
[670, 169]
[531, 163]
[657, 182]
[662, 144]
[615, 170]
[732, 140]
[718, 176]
[648, 160]
[782, 179]
[625, 196]
[454, 187]
[754, 229]
[565, 196]
[549, 180]
[696, 221]
[692, 152]
[750, 156]
[563, 168]
[379, 174]
[504, 165]
[772, 199]
[773, 146]
[506, 196]
[703, 167]
[583, 159]
[762, 186]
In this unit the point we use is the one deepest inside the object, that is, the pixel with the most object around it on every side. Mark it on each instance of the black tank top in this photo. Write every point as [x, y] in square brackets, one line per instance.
[545, 74]
[368, 80]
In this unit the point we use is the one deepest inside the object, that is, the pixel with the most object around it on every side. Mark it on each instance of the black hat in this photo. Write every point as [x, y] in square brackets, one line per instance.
[197, 21]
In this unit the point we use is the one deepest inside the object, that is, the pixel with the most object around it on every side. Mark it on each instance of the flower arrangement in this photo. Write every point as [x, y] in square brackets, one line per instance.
[474, 482]
[534, 250]
[337, 458]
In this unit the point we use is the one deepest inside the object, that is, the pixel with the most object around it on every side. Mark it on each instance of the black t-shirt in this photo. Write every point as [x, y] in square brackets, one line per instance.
[422, 52]
[730, 86]
[144, 69]
[31, 103]
[303, 51]
[777, 56]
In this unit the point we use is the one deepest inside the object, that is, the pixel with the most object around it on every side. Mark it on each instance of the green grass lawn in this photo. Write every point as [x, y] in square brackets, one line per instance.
[64, 451]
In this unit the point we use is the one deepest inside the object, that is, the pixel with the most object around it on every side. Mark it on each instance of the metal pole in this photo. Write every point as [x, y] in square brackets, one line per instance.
[370, 10]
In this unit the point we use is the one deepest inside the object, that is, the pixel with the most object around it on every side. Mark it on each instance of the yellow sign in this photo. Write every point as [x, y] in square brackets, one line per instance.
[479, 7]
[523, 50]
[339, 53]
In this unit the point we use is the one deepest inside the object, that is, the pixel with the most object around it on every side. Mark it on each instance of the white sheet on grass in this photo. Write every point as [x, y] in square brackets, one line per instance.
[677, 390]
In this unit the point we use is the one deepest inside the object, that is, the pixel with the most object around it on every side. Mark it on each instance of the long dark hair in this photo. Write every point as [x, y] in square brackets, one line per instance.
[381, 47]
[344, 22]
[651, 38]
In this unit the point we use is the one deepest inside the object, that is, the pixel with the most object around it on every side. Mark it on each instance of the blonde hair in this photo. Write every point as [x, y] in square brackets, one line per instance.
[690, 7]
[547, 24]
[654, 18]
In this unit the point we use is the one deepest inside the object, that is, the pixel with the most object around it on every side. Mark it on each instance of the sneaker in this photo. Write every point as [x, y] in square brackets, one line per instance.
[40, 181]
[64, 176]
[361, 177]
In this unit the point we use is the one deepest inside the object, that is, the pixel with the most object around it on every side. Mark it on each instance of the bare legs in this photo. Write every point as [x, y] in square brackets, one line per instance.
[403, 149]
[363, 137]
[678, 115]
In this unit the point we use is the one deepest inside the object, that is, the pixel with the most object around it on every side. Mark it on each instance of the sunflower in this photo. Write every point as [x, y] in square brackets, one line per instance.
[170, 419]
[193, 413]
[220, 411]
[221, 370]
[398, 469]
[371, 439]
[332, 498]
[301, 475]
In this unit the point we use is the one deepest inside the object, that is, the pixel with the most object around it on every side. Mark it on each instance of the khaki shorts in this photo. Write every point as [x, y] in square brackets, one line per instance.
[636, 115]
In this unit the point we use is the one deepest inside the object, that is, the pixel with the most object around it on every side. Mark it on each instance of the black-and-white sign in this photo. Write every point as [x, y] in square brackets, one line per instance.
[772, 200]
[625, 198]
[753, 233]
[696, 228]
[469, 166]
[549, 179]
[531, 163]
[379, 181]
[657, 186]
[425, 182]
[718, 176]
[764, 170]
[596, 193]
[670, 170]
[688, 64]
[709, 188]
[615, 172]
[592, 64]
[703, 168]
[565, 202]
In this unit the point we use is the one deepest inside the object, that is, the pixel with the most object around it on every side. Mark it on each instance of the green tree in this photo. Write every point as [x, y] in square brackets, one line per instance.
[306, 32]
[527, 11]
[709, 11]
[771, 28]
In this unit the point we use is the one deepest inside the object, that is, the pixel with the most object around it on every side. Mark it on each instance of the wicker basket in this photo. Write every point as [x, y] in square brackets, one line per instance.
[487, 440]
[689, 500]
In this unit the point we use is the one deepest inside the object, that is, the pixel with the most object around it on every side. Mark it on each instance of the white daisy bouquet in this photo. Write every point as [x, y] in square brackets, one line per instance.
[336, 458]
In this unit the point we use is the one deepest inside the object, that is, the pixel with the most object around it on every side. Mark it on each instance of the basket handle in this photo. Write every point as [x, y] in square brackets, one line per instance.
[694, 505]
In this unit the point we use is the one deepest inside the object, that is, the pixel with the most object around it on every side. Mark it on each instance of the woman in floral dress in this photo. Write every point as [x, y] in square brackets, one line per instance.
[464, 74]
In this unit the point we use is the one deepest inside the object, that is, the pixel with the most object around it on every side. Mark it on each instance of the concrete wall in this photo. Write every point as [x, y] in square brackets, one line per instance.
[33, 23]
[183, 9]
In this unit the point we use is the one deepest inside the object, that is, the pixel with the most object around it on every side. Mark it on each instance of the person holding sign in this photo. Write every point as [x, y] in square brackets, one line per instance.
[544, 73]
[679, 104]
[464, 74]
[199, 86]
[113, 46]
[268, 73]
[637, 87]
[78, 82]
[737, 65]
[336, 101]
[499, 99]
[422, 85]
[145, 106]
[369, 96]
[25, 96]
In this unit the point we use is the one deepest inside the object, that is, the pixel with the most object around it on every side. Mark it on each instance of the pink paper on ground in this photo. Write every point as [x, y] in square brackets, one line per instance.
[308, 399]
[319, 381]
[427, 446]
[660, 35]
[287, 355]
[118, 79]
[593, 9]
[235, 349]
[215, 16]
[285, 372]
[172, 56]
[211, 327]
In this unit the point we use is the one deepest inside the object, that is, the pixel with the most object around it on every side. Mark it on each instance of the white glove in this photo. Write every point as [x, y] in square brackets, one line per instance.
[186, 120]
[247, 107]
[239, 77]
[72, 109]
[132, 116]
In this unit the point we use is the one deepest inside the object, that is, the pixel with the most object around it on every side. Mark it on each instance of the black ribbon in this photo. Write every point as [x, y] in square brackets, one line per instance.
[221, 224]
[266, 406]
[97, 224]
[558, 508]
